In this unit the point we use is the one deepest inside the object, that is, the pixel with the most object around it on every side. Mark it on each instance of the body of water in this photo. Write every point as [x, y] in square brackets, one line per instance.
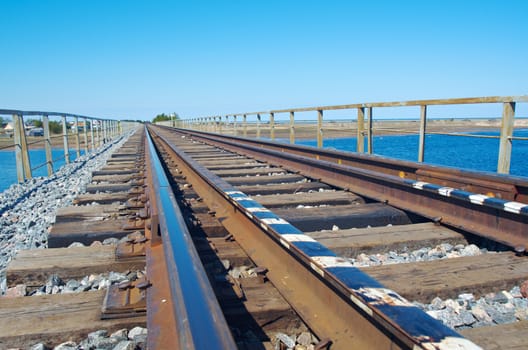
[37, 157]
[455, 151]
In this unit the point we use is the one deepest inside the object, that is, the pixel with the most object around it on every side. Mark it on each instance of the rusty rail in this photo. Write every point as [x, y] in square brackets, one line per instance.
[199, 320]
[214, 123]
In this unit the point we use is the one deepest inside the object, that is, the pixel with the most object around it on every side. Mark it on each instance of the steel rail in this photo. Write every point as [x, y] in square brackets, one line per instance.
[336, 299]
[199, 319]
[501, 220]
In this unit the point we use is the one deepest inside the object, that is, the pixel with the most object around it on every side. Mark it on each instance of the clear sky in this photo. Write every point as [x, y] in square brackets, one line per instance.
[135, 59]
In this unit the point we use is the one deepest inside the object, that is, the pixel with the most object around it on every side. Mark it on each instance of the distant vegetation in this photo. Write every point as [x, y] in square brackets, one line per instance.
[35, 122]
[55, 127]
[164, 117]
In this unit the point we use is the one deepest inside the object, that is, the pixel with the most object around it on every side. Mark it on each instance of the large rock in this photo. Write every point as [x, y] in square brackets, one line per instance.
[18, 291]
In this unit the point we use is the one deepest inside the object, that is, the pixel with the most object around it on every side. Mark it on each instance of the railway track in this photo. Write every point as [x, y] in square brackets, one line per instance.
[331, 207]
[249, 242]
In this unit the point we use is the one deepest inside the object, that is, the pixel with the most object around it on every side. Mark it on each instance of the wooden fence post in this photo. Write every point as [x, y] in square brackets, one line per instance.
[292, 127]
[92, 138]
[85, 135]
[360, 148]
[505, 145]
[65, 140]
[105, 131]
[244, 123]
[272, 126]
[77, 137]
[258, 126]
[369, 130]
[320, 128]
[423, 123]
[98, 132]
[47, 144]
[23, 163]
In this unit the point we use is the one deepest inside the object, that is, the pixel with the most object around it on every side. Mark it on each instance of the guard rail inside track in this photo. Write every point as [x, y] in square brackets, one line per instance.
[337, 300]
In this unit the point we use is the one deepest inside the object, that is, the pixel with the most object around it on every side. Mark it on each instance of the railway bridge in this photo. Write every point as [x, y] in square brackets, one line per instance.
[229, 239]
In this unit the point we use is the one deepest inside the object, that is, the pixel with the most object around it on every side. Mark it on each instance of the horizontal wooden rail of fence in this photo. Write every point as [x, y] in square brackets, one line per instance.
[265, 122]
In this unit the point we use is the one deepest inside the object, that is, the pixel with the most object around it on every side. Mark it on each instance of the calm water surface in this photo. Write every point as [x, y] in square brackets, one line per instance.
[456, 151]
[36, 157]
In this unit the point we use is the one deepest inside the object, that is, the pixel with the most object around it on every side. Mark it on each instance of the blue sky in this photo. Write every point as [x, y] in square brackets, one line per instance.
[134, 59]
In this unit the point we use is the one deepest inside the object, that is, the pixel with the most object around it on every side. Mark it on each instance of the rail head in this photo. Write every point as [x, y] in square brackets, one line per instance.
[201, 324]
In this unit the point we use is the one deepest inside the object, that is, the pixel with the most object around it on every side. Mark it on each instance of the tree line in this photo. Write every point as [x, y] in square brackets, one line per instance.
[165, 117]
[55, 127]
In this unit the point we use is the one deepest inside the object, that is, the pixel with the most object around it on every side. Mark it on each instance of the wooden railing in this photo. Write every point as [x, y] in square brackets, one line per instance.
[364, 120]
[95, 132]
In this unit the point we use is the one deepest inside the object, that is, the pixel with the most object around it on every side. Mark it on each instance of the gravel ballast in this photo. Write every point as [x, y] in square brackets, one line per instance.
[27, 210]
